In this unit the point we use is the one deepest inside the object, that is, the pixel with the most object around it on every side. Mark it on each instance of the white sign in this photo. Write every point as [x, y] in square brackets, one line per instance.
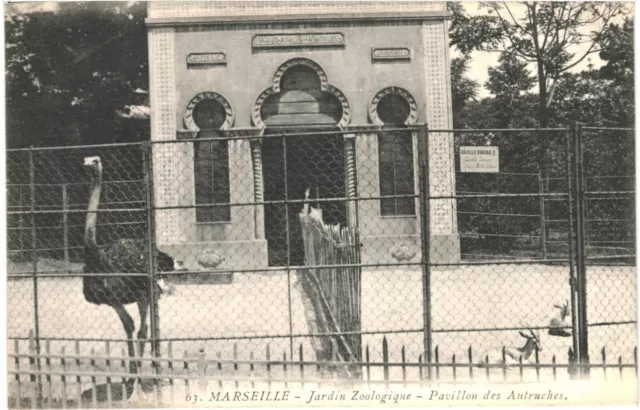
[479, 159]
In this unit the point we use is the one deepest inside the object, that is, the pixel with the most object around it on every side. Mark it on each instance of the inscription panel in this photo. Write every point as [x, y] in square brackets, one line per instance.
[216, 58]
[390, 53]
[298, 40]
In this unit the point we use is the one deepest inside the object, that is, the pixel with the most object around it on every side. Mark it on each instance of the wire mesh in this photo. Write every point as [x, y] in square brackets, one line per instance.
[444, 259]
[49, 192]
[507, 275]
[609, 201]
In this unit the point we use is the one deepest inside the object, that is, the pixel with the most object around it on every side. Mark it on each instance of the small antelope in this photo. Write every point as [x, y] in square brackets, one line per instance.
[559, 324]
[512, 354]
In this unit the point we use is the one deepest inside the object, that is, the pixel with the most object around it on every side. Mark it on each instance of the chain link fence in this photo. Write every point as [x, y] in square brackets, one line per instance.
[261, 246]
[607, 180]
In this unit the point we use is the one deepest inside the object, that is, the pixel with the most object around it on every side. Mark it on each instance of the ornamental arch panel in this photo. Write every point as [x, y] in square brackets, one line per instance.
[300, 95]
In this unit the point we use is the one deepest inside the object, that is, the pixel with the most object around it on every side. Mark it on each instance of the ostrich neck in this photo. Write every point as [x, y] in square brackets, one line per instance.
[92, 214]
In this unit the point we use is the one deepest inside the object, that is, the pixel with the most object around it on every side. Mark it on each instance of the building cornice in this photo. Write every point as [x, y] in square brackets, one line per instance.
[308, 18]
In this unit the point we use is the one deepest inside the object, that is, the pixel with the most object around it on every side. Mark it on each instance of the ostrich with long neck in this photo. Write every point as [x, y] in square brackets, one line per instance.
[102, 284]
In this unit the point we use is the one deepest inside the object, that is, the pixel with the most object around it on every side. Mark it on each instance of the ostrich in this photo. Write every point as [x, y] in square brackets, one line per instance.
[102, 284]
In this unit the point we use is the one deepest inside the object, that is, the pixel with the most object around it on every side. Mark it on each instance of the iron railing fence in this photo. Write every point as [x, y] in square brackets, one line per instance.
[222, 210]
[71, 379]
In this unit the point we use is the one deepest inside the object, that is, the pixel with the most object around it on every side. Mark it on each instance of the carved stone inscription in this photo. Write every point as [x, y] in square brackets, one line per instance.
[217, 58]
[399, 53]
[297, 40]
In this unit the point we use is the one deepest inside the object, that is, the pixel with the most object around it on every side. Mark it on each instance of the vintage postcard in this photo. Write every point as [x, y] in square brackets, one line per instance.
[320, 204]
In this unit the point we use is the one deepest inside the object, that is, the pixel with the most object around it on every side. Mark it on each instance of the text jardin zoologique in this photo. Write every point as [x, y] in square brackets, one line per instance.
[357, 395]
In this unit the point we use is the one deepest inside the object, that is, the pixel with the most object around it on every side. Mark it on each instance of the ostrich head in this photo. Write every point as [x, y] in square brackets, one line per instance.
[93, 164]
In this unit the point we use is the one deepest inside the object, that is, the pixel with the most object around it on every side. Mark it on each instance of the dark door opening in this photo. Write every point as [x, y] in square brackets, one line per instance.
[310, 161]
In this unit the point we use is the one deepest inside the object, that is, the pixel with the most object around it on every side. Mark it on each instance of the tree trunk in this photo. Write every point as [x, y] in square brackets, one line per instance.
[543, 117]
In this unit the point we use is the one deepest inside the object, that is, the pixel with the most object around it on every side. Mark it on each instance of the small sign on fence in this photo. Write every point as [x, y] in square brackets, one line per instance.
[479, 159]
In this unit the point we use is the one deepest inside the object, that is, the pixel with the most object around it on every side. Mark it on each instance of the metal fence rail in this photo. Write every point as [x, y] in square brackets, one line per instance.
[71, 379]
[203, 233]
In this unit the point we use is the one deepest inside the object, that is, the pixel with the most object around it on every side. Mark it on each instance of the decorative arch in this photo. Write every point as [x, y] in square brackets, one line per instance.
[189, 122]
[277, 77]
[412, 116]
[275, 88]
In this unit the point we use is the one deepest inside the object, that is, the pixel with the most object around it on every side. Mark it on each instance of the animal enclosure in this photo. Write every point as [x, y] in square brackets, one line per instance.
[525, 238]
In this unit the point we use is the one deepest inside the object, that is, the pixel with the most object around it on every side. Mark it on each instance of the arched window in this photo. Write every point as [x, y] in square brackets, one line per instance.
[394, 108]
[211, 159]
[301, 101]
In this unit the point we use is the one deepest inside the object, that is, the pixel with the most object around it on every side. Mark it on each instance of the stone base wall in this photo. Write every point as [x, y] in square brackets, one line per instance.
[238, 255]
[379, 249]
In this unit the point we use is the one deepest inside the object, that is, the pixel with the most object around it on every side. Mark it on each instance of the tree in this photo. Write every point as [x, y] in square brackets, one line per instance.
[68, 71]
[510, 82]
[547, 34]
[616, 48]
[604, 96]
[467, 34]
[470, 33]
[463, 89]
[510, 79]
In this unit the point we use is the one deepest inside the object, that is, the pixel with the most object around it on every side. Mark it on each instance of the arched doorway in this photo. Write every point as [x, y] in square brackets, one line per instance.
[300, 102]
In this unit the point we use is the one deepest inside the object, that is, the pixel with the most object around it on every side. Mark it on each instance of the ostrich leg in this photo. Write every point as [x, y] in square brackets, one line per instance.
[143, 307]
[127, 323]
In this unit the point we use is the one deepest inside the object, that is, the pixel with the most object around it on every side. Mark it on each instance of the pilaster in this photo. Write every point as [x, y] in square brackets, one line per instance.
[350, 160]
[166, 172]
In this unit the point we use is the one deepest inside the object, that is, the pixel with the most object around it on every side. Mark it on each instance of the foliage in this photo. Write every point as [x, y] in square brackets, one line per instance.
[470, 33]
[596, 97]
[546, 33]
[616, 48]
[67, 72]
[463, 89]
[510, 82]
[467, 34]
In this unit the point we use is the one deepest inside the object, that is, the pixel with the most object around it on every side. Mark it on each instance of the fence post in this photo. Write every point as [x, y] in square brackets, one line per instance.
[423, 155]
[147, 169]
[583, 334]
[34, 260]
[572, 274]
[285, 170]
[202, 371]
[543, 227]
[21, 255]
[35, 380]
[385, 360]
[65, 225]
